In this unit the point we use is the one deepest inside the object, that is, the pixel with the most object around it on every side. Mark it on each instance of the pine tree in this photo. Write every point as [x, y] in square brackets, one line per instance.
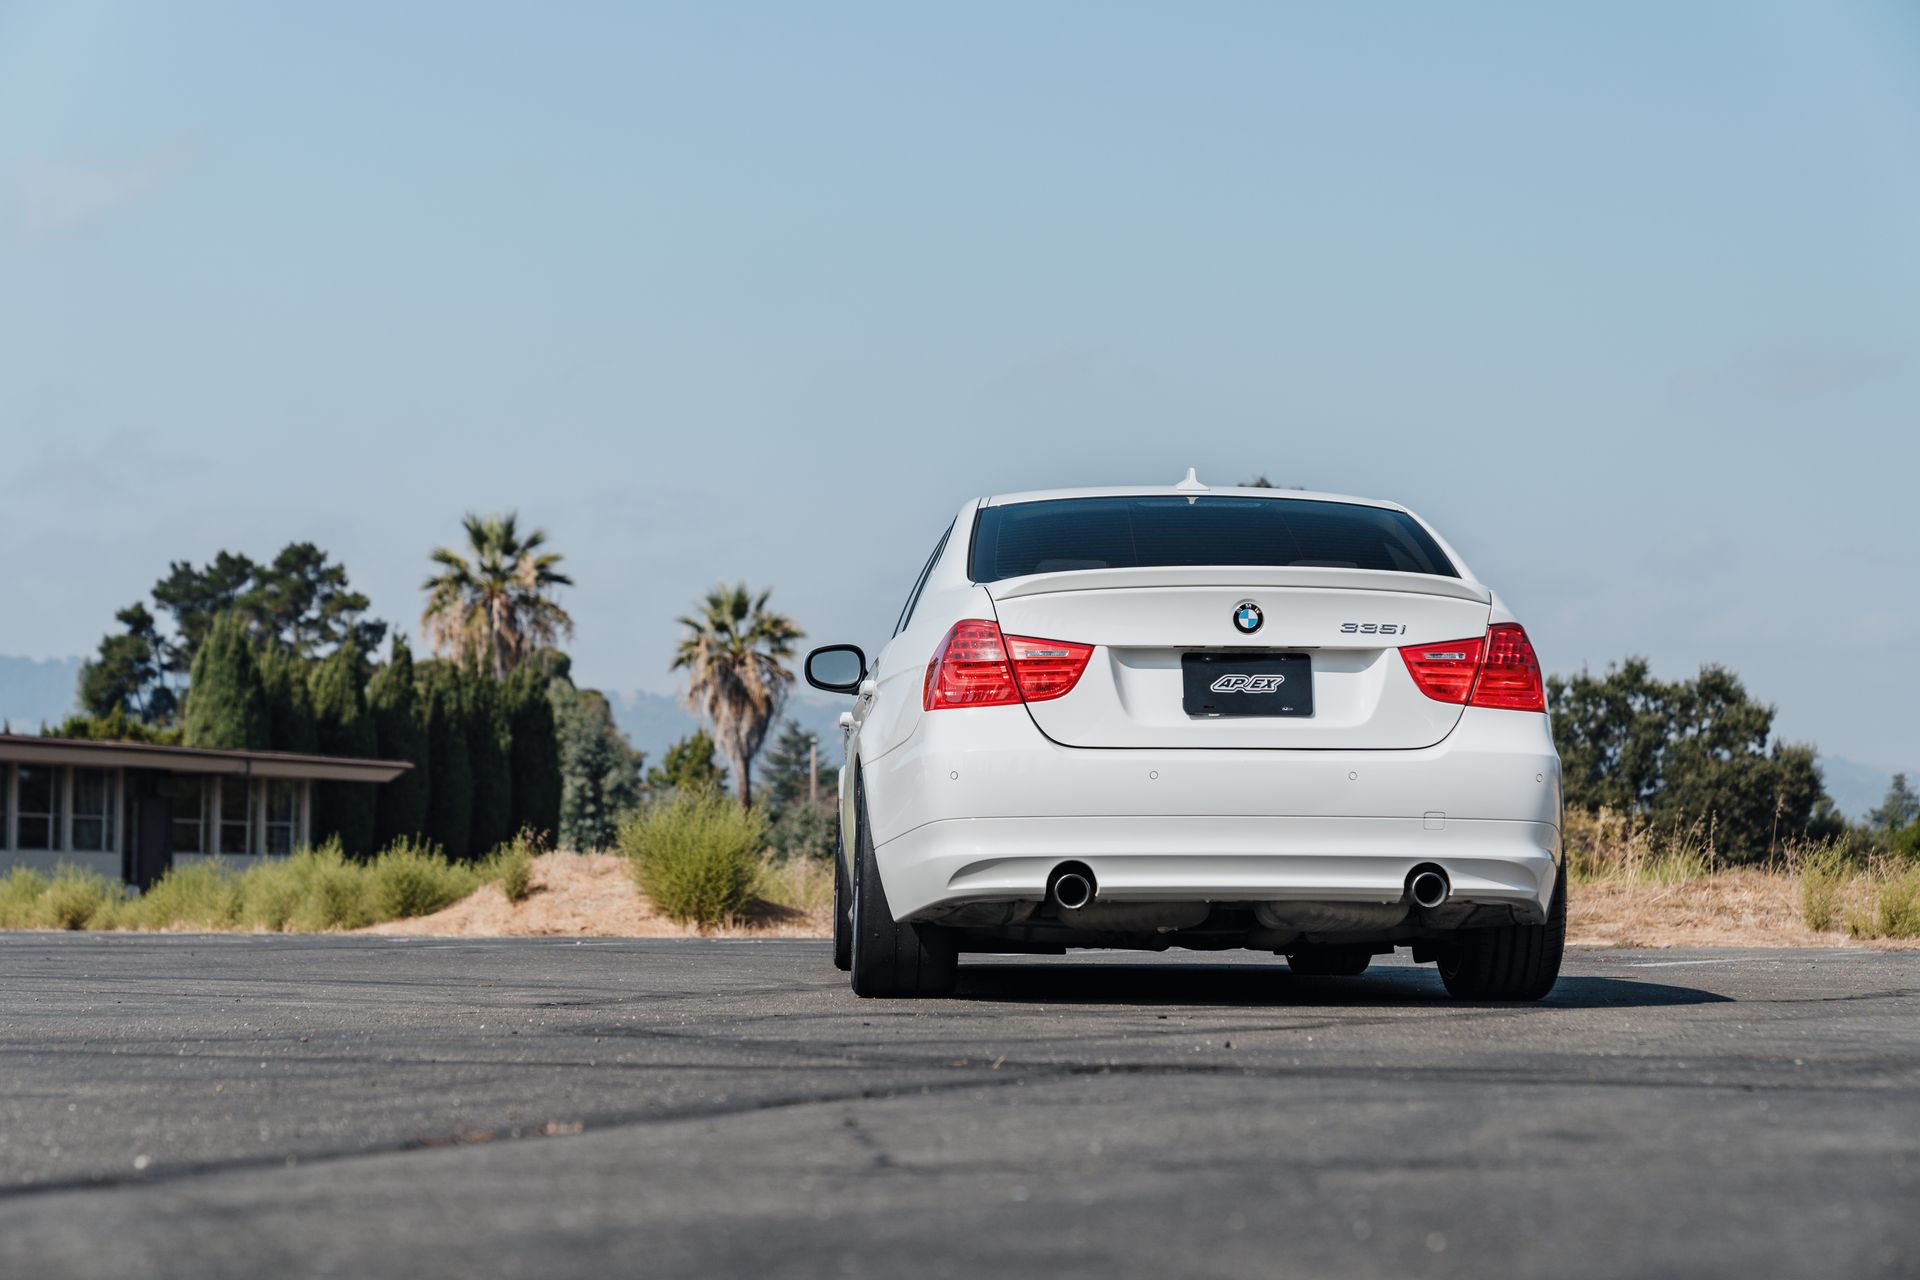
[226, 704]
[130, 671]
[688, 765]
[450, 797]
[535, 753]
[1898, 809]
[400, 806]
[786, 774]
[284, 678]
[343, 728]
[489, 751]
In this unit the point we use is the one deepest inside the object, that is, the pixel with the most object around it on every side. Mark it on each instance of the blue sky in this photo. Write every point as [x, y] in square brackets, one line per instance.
[1626, 300]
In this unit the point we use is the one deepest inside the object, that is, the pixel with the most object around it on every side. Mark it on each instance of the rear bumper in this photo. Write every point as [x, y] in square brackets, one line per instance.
[963, 860]
[980, 807]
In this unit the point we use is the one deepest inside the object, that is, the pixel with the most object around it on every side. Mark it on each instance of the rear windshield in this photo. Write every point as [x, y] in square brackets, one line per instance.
[1128, 533]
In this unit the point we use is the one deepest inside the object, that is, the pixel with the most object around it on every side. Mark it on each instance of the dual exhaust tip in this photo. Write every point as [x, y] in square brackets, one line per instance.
[1072, 886]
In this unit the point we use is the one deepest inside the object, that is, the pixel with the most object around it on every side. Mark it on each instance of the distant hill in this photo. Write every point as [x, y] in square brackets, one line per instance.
[1857, 789]
[34, 691]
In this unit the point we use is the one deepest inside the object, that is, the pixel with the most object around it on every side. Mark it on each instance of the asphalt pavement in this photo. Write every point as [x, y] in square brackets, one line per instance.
[300, 1106]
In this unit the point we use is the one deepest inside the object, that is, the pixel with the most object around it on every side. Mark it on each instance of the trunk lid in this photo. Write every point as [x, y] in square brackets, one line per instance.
[1349, 622]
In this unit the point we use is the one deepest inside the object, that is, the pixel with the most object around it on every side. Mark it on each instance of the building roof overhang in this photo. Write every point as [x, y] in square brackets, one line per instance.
[89, 753]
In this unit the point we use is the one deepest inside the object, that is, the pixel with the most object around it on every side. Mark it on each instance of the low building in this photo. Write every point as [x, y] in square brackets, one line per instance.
[132, 809]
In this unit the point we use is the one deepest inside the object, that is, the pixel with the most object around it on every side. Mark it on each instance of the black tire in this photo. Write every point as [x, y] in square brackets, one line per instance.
[842, 909]
[891, 959]
[1330, 962]
[1512, 962]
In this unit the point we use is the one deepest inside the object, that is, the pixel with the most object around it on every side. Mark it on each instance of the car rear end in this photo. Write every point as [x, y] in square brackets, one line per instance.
[1217, 719]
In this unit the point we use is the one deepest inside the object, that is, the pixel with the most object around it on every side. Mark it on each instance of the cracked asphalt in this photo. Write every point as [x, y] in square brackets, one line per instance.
[263, 1106]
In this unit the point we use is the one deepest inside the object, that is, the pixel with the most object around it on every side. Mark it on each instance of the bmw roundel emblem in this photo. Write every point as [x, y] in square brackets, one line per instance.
[1247, 617]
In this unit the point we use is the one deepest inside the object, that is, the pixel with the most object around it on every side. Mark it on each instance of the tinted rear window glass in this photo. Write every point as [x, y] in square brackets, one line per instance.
[1127, 533]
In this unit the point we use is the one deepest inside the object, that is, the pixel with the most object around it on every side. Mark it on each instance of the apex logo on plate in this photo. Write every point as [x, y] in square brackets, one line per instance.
[1248, 684]
[1247, 617]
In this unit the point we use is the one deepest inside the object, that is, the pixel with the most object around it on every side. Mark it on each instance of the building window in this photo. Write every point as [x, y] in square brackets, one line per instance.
[93, 810]
[38, 799]
[6, 804]
[235, 816]
[190, 804]
[283, 814]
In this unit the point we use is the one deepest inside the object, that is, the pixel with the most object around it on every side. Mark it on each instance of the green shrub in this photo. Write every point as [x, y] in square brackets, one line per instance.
[196, 895]
[334, 893]
[1823, 875]
[20, 893]
[1894, 908]
[696, 855]
[511, 864]
[74, 897]
[413, 878]
[269, 895]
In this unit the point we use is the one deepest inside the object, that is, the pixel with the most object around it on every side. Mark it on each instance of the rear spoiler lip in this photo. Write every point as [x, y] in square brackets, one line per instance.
[1240, 577]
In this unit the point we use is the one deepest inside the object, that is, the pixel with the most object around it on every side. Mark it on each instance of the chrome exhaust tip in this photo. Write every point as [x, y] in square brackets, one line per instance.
[1428, 887]
[1072, 890]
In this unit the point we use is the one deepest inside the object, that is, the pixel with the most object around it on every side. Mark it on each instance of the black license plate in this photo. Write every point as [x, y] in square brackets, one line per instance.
[1248, 684]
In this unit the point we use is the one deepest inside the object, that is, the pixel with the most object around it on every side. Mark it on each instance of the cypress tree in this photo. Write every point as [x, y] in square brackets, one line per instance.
[284, 677]
[450, 797]
[226, 704]
[535, 753]
[343, 728]
[600, 772]
[400, 806]
[489, 751]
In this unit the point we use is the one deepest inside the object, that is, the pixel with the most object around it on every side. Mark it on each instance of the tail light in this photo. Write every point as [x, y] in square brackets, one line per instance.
[1444, 671]
[977, 666]
[1046, 669]
[1510, 673]
[1498, 669]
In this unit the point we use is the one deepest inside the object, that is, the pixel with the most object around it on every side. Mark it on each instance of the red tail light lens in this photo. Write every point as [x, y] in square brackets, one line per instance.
[1499, 669]
[1444, 671]
[970, 669]
[1510, 673]
[1047, 668]
[976, 666]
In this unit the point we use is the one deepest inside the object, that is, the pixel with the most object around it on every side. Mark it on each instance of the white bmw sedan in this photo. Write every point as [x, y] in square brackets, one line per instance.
[1206, 718]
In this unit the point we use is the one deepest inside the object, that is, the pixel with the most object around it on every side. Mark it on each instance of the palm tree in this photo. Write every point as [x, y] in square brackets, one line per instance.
[732, 653]
[498, 607]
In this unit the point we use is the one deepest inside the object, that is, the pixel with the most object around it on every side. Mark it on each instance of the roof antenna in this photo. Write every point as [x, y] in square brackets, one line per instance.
[1192, 483]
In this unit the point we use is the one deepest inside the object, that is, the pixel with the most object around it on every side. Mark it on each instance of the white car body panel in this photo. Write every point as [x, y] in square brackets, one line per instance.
[978, 805]
[995, 795]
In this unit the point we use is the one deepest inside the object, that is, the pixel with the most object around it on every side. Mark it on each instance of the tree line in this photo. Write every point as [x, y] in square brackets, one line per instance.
[279, 655]
[1699, 757]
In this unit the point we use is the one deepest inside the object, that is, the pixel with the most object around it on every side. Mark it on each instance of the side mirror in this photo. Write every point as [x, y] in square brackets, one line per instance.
[837, 668]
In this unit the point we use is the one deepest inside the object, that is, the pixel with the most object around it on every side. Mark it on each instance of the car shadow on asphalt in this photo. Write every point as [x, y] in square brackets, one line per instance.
[1267, 986]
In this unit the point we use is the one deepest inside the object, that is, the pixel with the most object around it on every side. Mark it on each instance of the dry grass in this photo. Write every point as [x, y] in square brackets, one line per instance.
[1636, 888]
[592, 895]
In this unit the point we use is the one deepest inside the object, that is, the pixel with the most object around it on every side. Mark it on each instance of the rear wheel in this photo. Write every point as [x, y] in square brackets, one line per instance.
[842, 910]
[889, 958]
[1330, 962]
[1512, 962]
